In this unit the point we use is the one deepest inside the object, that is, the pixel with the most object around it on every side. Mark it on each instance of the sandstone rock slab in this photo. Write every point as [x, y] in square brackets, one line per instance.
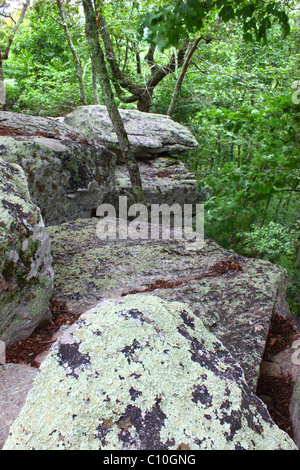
[15, 382]
[141, 373]
[149, 134]
[234, 296]
[68, 175]
[164, 179]
[26, 273]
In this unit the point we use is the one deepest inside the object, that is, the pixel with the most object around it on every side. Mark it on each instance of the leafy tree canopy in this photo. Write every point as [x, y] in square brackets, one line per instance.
[173, 21]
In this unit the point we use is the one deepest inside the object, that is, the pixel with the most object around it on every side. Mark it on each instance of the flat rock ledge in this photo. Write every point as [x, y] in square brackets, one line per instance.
[235, 297]
[149, 134]
[164, 179]
[142, 373]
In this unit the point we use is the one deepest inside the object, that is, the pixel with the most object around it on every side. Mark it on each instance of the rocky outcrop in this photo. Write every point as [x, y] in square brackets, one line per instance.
[15, 382]
[144, 374]
[168, 350]
[149, 134]
[68, 175]
[155, 140]
[234, 296]
[26, 274]
[165, 180]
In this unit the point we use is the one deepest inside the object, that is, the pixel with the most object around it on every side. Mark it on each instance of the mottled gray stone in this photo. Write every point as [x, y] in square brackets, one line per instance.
[149, 134]
[68, 175]
[15, 382]
[141, 373]
[165, 179]
[26, 274]
[295, 409]
[233, 295]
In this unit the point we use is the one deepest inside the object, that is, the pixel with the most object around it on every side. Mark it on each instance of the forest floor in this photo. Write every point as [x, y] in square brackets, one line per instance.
[282, 333]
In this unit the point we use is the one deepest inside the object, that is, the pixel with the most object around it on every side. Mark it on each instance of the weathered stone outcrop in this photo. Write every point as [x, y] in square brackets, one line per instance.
[141, 373]
[26, 274]
[234, 296]
[165, 180]
[149, 134]
[68, 175]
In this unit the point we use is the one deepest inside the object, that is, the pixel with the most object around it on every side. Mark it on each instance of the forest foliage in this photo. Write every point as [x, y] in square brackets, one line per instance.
[239, 95]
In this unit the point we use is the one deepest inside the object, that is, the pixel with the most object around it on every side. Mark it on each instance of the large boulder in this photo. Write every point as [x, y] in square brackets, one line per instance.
[165, 179]
[26, 274]
[149, 134]
[68, 175]
[141, 373]
[234, 296]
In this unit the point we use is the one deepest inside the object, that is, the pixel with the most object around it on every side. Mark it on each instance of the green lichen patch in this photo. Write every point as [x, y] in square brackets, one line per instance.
[142, 373]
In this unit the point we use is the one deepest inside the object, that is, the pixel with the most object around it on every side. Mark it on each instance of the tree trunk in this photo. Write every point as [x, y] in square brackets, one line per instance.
[15, 29]
[179, 82]
[145, 100]
[2, 86]
[143, 94]
[95, 84]
[108, 98]
[5, 54]
[75, 57]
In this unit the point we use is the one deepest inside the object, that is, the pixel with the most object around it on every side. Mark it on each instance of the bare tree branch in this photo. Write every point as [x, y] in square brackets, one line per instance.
[15, 29]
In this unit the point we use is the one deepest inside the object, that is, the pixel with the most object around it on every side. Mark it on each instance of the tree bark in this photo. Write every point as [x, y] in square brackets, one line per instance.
[2, 86]
[74, 53]
[108, 98]
[179, 82]
[95, 84]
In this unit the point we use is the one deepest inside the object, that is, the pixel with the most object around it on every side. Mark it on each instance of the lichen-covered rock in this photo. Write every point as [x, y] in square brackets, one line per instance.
[26, 274]
[234, 296]
[142, 374]
[295, 409]
[165, 179]
[68, 175]
[149, 134]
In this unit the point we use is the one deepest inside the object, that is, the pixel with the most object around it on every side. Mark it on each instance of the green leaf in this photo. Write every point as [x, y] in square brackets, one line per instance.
[227, 13]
